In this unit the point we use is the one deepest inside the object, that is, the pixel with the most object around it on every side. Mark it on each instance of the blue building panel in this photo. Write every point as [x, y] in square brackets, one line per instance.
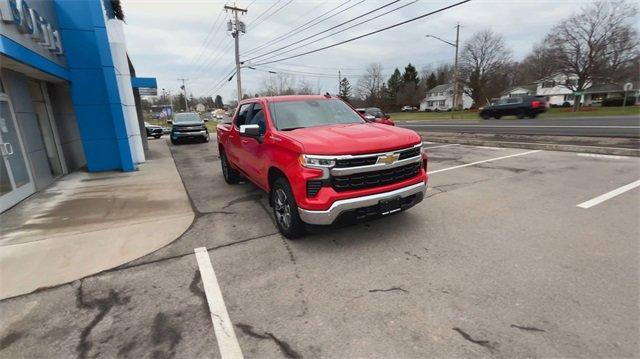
[22, 54]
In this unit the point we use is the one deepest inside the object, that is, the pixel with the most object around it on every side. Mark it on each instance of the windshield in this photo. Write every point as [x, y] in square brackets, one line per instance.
[376, 112]
[290, 115]
[186, 117]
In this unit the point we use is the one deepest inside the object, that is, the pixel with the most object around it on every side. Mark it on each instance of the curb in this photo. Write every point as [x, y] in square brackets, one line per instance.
[532, 142]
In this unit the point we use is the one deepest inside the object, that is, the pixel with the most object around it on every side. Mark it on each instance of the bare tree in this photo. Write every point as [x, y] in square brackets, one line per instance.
[596, 43]
[482, 62]
[540, 63]
[369, 85]
[278, 84]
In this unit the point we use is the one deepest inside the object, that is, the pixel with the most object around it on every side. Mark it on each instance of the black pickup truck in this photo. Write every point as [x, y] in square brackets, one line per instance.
[519, 106]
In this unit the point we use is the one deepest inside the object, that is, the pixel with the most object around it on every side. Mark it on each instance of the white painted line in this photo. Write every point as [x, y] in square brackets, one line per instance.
[491, 148]
[222, 326]
[594, 155]
[618, 191]
[524, 126]
[483, 161]
[449, 145]
[427, 142]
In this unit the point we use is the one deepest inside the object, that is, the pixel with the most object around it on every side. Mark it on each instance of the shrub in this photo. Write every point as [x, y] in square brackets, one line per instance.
[617, 101]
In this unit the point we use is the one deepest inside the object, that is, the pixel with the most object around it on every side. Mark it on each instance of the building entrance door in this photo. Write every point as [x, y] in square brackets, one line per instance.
[16, 182]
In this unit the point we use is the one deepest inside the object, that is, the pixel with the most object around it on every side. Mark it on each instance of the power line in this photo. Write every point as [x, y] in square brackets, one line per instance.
[206, 39]
[334, 27]
[309, 24]
[273, 13]
[263, 13]
[367, 34]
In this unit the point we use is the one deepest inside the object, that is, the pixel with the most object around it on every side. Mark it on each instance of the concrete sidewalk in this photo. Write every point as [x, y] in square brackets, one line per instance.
[89, 222]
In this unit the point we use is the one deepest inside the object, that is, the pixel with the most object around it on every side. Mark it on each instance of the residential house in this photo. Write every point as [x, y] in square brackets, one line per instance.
[555, 90]
[200, 107]
[440, 98]
[520, 90]
[594, 95]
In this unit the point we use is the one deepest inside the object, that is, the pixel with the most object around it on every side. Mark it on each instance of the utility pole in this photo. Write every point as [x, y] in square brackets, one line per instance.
[455, 73]
[184, 87]
[455, 99]
[339, 81]
[236, 27]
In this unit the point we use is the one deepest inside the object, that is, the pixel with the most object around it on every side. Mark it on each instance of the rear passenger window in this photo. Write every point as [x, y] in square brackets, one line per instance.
[241, 118]
[514, 100]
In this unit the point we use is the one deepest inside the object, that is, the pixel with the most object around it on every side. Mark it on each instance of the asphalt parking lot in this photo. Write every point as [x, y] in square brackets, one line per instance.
[498, 261]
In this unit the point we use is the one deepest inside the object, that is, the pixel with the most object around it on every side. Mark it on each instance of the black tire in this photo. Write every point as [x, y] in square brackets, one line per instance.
[533, 115]
[497, 117]
[285, 210]
[485, 116]
[206, 138]
[231, 176]
[157, 136]
[174, 142]
[521, 115]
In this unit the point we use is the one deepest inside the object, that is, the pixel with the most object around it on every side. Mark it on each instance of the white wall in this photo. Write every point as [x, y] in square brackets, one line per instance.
[115, 32]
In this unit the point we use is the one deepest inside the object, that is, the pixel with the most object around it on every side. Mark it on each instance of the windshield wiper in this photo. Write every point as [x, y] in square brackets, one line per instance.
[291, 128]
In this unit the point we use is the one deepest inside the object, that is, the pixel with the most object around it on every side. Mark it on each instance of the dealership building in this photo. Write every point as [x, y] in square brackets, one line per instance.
[69, 97]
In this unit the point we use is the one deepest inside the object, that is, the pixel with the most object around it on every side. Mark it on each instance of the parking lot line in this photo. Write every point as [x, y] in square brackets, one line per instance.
[595, 155]
[618, 191]
[222, 326]
[483, 161]
[449, 145]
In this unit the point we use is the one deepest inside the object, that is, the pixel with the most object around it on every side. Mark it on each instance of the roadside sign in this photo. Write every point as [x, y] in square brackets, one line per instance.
[628, 86]
[578, 93]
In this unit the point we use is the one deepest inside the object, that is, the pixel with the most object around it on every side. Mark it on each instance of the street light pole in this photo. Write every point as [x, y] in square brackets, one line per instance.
[455, 67]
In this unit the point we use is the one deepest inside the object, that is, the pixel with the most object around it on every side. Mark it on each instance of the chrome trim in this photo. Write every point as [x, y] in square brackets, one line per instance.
[329, 216]
[345, 171]
[348, 157]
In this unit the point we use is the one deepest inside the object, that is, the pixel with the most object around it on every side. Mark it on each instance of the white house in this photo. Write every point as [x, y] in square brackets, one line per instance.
[200, 107]
[594, 95]
[520, 90]
[440, 98]
[553, 87]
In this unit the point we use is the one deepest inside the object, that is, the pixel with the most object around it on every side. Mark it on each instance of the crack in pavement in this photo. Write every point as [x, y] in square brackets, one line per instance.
[389, 290]
[484, 343]
[531, 329]
[104, 305]
[284, 346]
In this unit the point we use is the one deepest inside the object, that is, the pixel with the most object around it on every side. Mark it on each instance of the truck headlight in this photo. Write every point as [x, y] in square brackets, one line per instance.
[316, 161]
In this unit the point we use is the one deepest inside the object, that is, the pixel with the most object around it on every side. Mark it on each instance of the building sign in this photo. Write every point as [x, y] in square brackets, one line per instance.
[30, 23]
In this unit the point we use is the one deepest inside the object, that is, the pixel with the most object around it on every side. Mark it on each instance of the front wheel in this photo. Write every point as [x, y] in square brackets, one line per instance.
[231, 176]
[485, 116]
[285, 209]
[157, 136]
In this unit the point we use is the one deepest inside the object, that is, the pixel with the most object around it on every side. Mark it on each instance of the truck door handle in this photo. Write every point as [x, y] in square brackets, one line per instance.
[245, 141]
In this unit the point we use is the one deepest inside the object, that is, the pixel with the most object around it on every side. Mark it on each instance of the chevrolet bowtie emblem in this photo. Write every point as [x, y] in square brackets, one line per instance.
[388, 159]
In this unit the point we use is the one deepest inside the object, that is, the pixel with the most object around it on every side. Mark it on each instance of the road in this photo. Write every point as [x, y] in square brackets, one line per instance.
[498, 261]
[605, 127]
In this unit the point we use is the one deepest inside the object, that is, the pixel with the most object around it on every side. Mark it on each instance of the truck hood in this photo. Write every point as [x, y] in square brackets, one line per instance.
[352, 139]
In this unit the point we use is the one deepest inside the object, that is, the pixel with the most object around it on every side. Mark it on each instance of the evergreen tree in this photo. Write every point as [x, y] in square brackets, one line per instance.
[432, 81]
[410, 75]
[394, 83]
[218, 102]
[345, 89]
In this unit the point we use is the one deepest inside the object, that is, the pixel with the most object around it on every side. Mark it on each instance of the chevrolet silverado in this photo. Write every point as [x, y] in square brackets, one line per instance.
[320, 161]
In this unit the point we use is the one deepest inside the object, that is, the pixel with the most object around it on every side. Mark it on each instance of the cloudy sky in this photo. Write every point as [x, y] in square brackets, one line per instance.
[171, 39]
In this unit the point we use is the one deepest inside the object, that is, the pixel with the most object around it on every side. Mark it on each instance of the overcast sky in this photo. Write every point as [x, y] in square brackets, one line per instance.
[165, 38]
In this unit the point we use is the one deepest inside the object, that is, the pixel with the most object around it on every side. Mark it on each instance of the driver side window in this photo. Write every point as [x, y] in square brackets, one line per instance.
[241, 118]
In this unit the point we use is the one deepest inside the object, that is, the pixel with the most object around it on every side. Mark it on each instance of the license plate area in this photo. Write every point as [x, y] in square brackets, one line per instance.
[390, 205]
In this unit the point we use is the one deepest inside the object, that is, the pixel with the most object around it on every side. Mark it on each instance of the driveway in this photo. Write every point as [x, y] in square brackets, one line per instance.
[498, 261]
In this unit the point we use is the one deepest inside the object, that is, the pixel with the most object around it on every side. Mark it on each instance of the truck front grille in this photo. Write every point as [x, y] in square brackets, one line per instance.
[371, 160]
[375, 179]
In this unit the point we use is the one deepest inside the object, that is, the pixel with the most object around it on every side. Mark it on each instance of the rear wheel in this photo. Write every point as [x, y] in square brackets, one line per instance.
[521, 115]
[231, 176]
[533, 115]
[285, 209]
[497, 117]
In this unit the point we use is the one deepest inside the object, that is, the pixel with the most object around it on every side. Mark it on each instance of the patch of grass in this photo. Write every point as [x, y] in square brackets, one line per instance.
[552, 113]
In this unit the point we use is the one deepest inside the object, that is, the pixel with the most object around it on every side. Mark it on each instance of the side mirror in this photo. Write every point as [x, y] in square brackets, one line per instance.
[250, 131]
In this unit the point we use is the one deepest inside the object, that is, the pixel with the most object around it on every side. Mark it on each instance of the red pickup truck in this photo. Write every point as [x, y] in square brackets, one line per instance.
[320, 161]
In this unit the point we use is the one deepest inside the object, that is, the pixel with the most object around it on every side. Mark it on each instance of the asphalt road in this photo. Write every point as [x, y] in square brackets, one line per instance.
[625, 126]
[499, 261]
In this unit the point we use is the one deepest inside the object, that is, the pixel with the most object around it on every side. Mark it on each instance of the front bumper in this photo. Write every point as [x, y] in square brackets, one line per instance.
[192, 134]
[346, 205]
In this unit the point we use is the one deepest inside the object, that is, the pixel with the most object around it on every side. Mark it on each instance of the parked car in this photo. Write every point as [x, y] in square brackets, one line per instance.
[320, 162]
[374, 114]
[188, 126]
[519, 106]
[153, 130]
[407, 108]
